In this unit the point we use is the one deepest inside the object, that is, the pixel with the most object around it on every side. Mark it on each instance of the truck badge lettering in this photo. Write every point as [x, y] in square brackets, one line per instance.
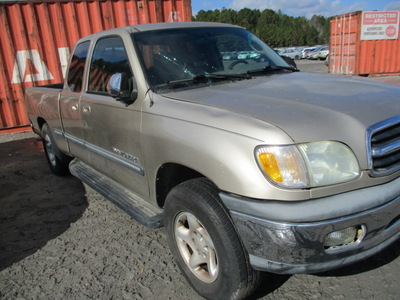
[126, 155]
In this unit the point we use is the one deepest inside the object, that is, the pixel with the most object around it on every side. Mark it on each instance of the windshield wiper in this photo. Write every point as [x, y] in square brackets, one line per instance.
[207, 77]
[272, 68]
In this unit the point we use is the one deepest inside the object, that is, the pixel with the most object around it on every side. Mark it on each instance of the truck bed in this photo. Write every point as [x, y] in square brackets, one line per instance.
[42, 101]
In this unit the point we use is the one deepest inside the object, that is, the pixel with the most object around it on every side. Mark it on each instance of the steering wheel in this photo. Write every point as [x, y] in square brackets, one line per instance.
[241, 61]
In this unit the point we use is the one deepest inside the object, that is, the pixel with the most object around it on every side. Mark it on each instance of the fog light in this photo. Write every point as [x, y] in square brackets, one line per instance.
[344, 238]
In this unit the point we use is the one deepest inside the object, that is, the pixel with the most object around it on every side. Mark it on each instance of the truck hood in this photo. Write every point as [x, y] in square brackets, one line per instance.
[307, 106]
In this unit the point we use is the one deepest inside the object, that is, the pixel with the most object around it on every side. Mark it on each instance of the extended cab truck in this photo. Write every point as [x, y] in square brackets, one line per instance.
[249, 164]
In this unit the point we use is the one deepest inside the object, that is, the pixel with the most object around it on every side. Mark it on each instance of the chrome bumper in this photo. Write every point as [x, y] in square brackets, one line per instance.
[282, 244]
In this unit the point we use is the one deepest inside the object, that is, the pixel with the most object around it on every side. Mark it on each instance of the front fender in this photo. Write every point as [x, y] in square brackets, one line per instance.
[218, 144]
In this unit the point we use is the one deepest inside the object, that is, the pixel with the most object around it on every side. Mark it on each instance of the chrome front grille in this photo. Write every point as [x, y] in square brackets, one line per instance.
[384, 147]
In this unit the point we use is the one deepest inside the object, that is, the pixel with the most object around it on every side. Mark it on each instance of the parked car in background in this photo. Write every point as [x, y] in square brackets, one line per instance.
[314, 54]
[293, 53]
[255, 56]
[323, 53]
[243, 55]
[305, 52]
[229, 55]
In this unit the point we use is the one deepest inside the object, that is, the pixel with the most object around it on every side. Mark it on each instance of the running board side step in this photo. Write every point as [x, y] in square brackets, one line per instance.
[139, 209]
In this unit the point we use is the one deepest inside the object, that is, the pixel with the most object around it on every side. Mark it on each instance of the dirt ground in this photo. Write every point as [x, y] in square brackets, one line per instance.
[61, 240]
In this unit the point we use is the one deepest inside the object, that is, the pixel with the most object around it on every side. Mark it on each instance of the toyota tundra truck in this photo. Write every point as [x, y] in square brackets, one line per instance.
[250, 165]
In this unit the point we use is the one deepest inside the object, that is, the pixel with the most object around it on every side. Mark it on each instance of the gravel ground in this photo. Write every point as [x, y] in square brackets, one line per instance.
[61, 240]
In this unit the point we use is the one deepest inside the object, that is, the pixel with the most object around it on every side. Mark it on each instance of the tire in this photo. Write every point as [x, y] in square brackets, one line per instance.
[205, 244]
[57, 160]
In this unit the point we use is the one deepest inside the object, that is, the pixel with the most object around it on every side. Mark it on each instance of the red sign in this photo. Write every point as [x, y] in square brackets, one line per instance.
[380, 25]
[375, 18]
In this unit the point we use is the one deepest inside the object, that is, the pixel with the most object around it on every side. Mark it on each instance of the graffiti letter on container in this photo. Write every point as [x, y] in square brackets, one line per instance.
[39, 71]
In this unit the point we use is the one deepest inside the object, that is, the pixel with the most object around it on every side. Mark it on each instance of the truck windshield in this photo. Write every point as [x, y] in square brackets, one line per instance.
[175, 58]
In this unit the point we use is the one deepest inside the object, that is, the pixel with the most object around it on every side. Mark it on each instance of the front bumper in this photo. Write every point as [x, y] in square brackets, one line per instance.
[288, 237]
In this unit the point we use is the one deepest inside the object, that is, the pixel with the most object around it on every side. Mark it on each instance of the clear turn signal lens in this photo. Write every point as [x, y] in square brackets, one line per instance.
[283, 165]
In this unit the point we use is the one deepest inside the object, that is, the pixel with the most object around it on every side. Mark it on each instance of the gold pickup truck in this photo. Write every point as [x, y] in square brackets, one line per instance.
[251, 165]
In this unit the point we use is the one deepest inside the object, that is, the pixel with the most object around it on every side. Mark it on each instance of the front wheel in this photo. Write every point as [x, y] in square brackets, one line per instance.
[57, 160]
[205, 244]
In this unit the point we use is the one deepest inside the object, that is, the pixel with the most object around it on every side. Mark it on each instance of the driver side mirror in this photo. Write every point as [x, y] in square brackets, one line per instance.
[122, 88]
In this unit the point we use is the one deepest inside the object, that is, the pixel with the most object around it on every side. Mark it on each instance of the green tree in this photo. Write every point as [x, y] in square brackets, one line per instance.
[275, 28]
[228, 16]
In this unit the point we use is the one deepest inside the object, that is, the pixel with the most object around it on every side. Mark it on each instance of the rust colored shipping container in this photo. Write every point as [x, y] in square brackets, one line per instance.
[37, 37]
[365, 44]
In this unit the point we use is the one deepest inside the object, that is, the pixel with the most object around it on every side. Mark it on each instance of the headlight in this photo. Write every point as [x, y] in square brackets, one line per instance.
[308, 165]
[329, 163]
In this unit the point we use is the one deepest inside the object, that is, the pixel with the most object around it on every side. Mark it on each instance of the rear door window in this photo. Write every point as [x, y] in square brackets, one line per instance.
[77, 67]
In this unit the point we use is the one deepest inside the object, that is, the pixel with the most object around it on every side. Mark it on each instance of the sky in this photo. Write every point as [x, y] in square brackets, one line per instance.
[299, 8]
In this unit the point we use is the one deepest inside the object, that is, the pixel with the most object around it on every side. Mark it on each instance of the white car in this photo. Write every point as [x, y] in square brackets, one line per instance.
[292, 53]
[243, 55]
[306, 51]
[323, 53]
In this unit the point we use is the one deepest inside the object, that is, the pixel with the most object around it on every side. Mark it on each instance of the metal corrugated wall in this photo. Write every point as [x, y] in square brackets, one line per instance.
[380, 57]
[349, 55]
[36, 38]
[345, 34]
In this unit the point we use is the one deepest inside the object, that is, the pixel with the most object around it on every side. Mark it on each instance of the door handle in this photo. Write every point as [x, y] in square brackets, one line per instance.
[86, 109]
[74, 107]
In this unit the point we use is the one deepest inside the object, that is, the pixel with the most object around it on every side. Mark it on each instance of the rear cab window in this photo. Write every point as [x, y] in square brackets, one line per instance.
[77, 67]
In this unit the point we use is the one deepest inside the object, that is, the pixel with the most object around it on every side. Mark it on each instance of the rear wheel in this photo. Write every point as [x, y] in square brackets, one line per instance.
[57, 160]
[205, 243]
